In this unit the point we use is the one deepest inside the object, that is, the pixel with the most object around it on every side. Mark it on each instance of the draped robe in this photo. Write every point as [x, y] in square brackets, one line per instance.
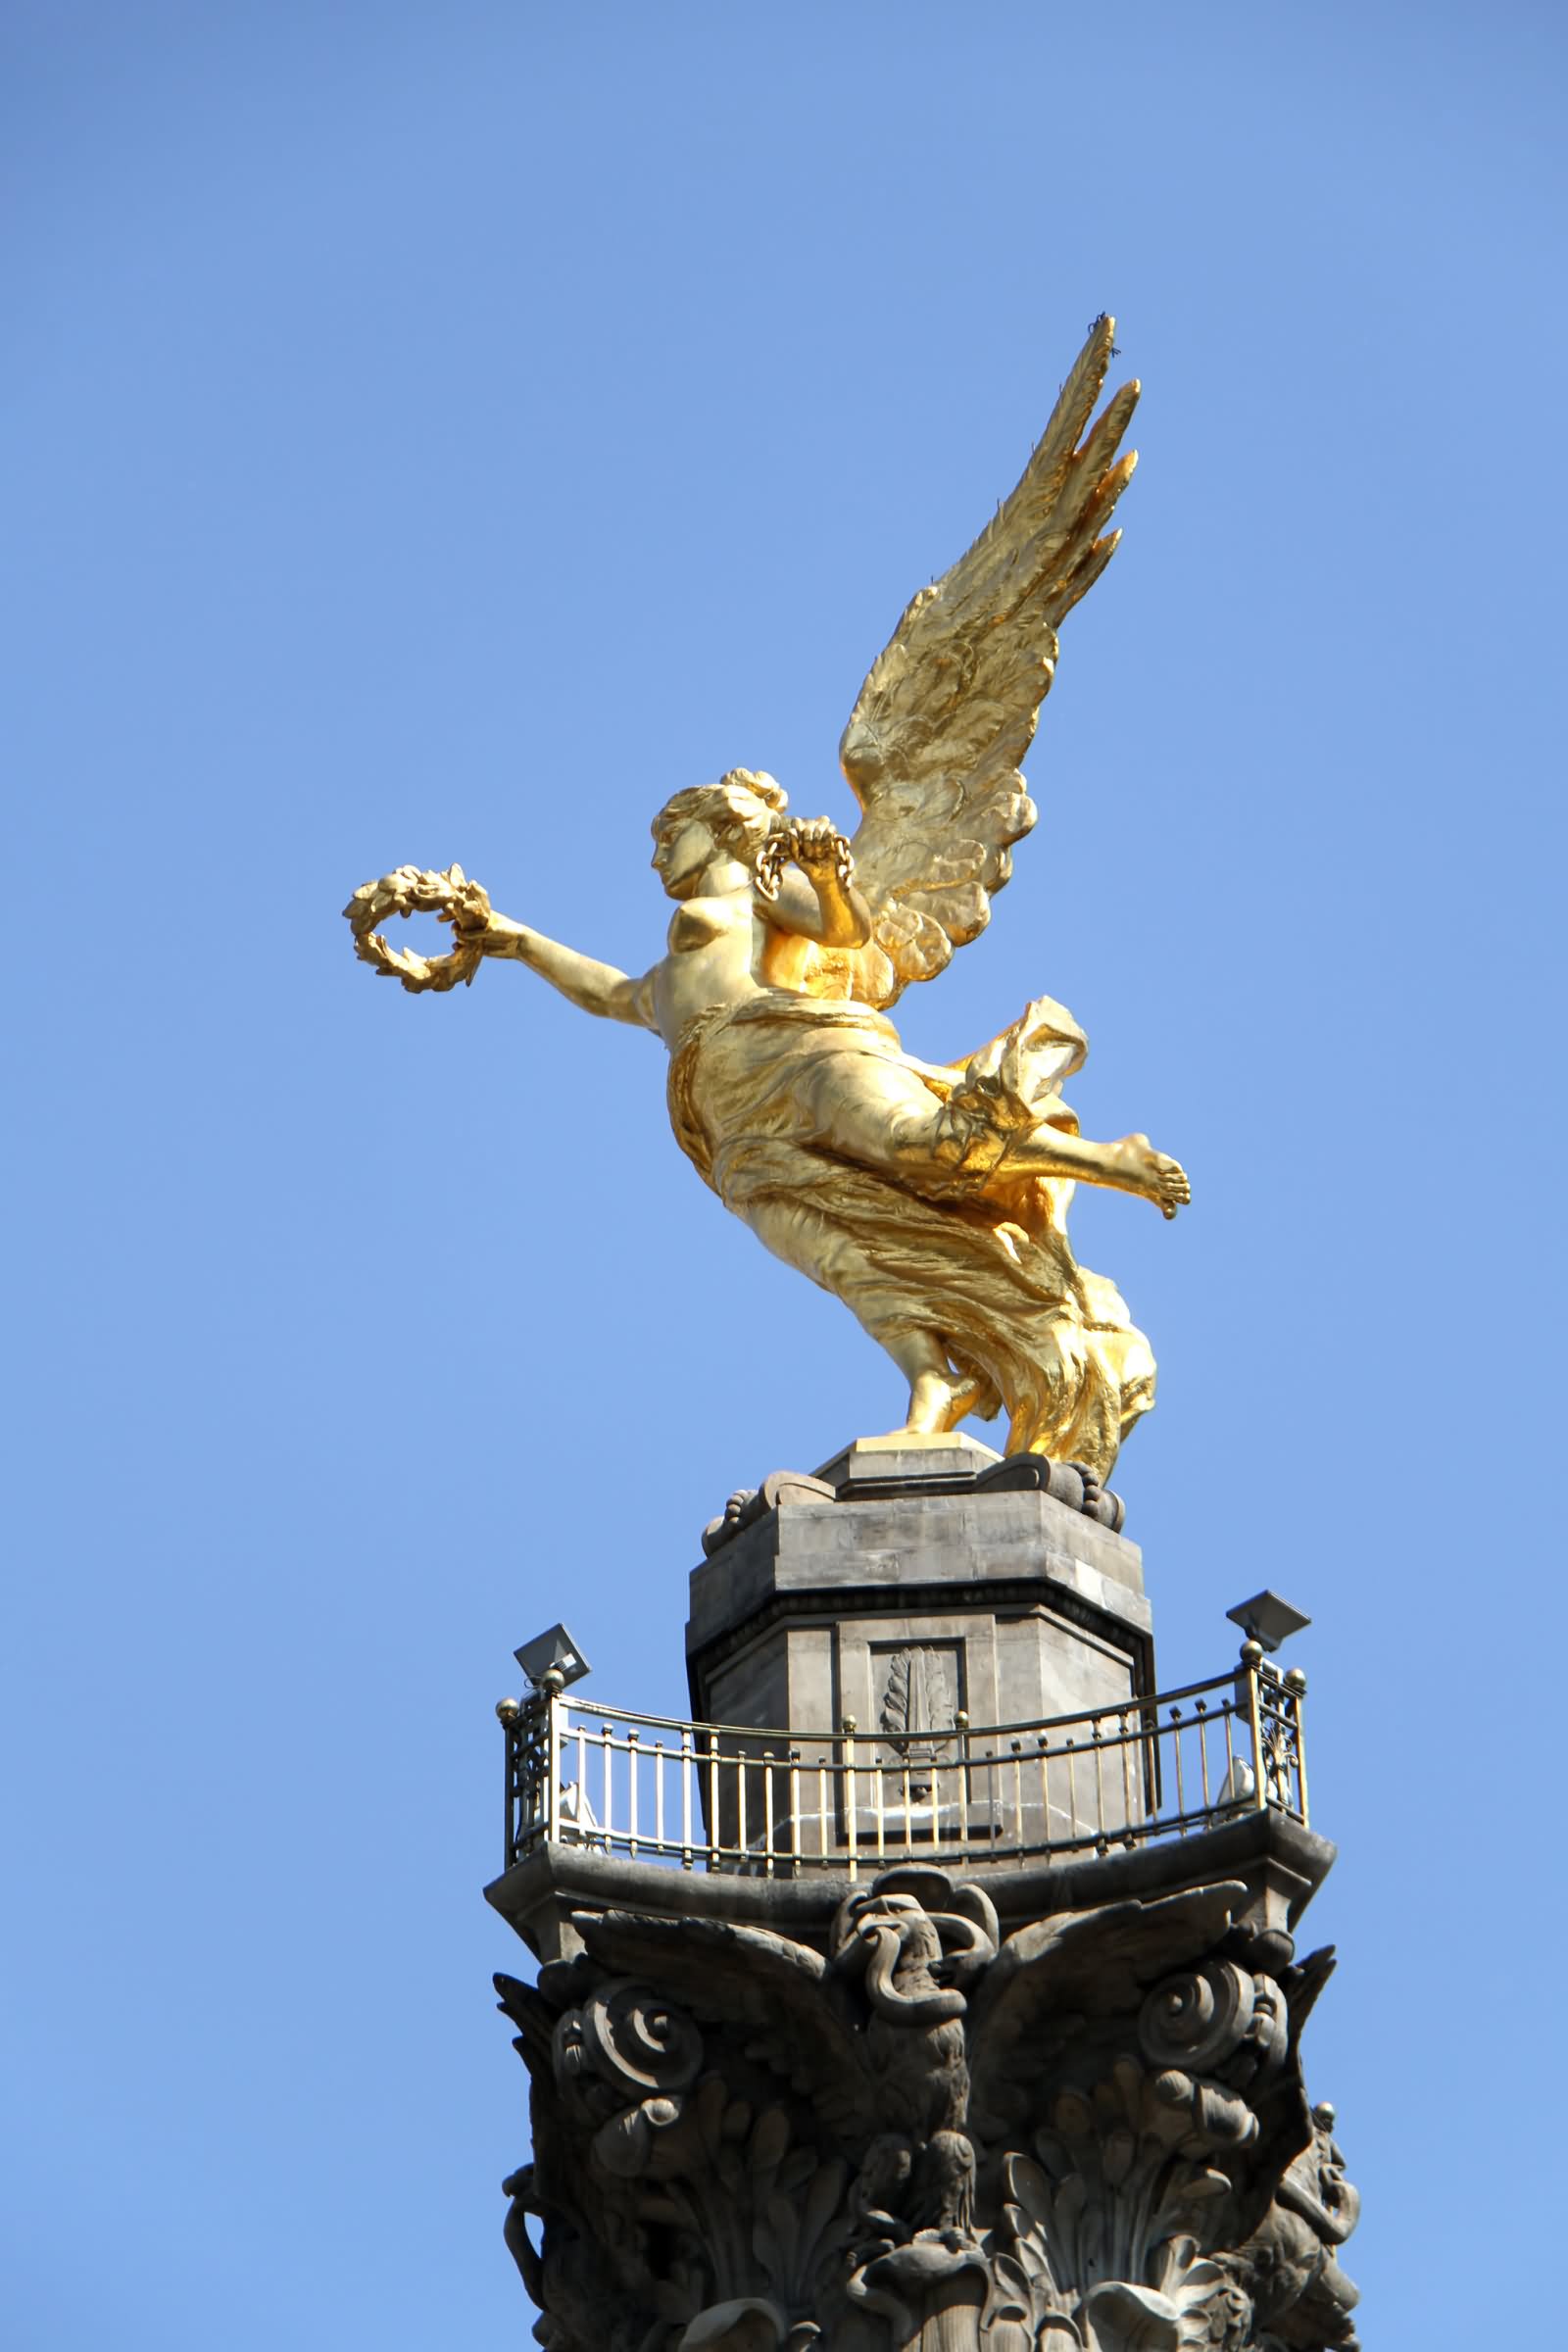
[956, 1248]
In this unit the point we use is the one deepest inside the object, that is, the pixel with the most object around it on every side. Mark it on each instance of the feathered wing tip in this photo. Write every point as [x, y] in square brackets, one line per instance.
[949, 707]
[1057, 445]
[1075, 401]
[1057, 512]
[1088, 570]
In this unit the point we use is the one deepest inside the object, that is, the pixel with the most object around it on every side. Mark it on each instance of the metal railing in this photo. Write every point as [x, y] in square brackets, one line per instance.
[773, 1803]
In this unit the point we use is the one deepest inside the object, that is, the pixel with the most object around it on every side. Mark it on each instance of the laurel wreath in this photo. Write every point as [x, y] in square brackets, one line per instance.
[413, 890]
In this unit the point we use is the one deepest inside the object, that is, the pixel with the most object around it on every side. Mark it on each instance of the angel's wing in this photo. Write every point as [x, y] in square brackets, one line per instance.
[934, 741]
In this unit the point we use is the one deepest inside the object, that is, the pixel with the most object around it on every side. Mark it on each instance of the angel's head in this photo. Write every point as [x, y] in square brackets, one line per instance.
[731, 819]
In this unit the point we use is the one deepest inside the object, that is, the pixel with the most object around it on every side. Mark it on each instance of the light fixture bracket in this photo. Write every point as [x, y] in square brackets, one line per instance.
[1268, 1620]
[552, 1651]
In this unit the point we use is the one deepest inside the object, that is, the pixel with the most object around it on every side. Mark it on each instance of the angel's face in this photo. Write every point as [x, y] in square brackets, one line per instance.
[683, 855]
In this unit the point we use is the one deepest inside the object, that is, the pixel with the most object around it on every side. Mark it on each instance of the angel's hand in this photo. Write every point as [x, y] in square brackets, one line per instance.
[820, 850]
[478, 926]
[817, 847]
[467, 910]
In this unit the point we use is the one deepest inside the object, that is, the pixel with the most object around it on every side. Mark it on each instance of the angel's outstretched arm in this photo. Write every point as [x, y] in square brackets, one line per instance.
[479, 931]
[593, 987]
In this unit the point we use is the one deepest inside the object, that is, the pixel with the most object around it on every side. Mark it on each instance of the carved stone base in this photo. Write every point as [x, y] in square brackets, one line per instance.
[913, 1587]
[994, 2115]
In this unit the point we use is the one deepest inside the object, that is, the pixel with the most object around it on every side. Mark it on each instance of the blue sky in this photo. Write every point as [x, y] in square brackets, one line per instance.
[441, 433]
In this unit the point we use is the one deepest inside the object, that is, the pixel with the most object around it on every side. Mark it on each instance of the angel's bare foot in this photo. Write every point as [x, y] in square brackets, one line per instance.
[1153, 1174]
[930, 1405]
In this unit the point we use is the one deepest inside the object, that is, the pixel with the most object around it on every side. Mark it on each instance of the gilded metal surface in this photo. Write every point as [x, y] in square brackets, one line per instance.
[931, 1200]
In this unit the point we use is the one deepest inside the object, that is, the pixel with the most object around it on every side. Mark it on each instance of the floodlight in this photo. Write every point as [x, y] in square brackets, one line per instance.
[551, 1653]
[1268, 1620]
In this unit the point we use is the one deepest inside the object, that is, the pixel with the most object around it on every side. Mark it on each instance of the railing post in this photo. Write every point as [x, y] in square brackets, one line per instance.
[1252, 1660]
[509, 1713]
[852, 1825]
[554, 1727]
[1296, 1683]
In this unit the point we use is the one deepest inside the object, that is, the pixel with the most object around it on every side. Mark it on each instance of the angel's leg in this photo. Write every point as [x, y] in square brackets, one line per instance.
[923, 1361]
[880, 1113]
[938, 1399]
[1131, 1164]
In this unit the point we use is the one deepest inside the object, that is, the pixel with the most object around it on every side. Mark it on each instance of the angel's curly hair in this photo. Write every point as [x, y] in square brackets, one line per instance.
[739, 810]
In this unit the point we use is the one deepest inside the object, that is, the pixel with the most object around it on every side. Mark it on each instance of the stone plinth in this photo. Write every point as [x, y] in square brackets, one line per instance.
[1034, 1609]
[898, 1593]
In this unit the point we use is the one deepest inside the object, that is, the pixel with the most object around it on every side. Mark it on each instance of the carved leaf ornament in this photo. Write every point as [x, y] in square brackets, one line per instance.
[919, 1698]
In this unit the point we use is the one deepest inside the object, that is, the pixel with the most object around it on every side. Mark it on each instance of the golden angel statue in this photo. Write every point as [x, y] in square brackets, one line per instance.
[932, 1200]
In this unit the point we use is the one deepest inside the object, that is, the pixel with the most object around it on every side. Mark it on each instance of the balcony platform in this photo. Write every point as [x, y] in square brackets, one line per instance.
[1279, 1860]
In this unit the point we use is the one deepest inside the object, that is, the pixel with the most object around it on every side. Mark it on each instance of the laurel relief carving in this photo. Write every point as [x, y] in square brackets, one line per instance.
[920, 1686]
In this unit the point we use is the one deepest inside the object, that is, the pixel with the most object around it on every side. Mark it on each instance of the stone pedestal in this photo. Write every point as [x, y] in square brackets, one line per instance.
[913, 1587]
